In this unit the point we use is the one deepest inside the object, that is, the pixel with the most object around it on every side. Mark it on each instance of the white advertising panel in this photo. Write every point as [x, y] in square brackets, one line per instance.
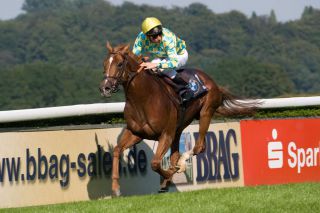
[46, 167]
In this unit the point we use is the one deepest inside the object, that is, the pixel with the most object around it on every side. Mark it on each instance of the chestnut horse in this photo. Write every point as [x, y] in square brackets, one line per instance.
[153, 112]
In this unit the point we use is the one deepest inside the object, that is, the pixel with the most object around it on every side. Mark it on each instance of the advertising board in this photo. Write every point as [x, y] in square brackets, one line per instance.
[280, 151]
[47, 167]
[221, 163]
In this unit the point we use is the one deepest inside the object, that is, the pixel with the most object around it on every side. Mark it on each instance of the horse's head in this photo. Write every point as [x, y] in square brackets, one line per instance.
[115, 69]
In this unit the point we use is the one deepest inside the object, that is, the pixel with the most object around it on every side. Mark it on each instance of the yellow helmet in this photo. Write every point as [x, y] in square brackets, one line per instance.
[149, 23]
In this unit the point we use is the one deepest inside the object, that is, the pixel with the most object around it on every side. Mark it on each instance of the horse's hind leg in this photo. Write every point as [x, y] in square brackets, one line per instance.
[206, 114]
[127, 140]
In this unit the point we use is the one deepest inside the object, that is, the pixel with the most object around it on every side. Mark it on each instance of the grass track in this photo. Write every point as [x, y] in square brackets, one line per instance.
[277, 198]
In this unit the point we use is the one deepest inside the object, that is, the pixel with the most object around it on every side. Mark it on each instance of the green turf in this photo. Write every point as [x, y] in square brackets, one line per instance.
[277, 198]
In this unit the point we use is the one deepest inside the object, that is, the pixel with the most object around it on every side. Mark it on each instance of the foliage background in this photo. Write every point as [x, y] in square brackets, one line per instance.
[52, 55]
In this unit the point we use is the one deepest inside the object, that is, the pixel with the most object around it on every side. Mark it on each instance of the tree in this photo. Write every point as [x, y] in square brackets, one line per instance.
[53, 53]
[248, 78]
[307, 12]
[273, 18]
[42, 5]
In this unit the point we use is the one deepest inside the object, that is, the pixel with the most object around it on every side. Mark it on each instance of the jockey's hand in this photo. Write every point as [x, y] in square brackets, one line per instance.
[148, 65]
[145, 58]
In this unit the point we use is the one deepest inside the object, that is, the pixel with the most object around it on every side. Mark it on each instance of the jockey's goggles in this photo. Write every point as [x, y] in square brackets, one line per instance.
[154, 36]
[155, 32]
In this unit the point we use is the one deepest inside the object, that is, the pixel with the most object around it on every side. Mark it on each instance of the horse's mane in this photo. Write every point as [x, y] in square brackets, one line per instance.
[121, 47]
[138, 59]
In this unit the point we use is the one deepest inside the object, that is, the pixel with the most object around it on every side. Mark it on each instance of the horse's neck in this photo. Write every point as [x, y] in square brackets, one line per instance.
[146, 97]
[142, 86]
[134, 62]
[131, 72]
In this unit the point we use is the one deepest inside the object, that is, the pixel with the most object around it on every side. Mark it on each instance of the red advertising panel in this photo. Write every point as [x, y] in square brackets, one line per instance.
[280, 151]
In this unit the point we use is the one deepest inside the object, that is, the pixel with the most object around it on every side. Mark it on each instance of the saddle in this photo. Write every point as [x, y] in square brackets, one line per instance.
[187, 84]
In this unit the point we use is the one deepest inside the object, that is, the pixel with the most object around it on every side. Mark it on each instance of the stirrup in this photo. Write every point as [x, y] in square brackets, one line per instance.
[187, 96]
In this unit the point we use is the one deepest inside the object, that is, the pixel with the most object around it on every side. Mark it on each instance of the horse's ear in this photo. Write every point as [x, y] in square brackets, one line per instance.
[126, 48]
[108, 45]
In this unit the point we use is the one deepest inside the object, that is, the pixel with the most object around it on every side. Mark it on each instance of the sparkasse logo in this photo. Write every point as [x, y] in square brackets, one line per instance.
[275, 152]
[297, 157]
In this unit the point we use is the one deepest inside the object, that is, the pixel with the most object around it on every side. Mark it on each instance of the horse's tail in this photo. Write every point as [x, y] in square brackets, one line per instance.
[232, 106]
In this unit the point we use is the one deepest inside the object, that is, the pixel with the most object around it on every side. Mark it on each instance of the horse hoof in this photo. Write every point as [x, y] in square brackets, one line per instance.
[116, 193]
[181, 168]
[163, 190]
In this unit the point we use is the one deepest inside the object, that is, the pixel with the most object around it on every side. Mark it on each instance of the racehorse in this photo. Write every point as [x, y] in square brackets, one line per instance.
[152, 111]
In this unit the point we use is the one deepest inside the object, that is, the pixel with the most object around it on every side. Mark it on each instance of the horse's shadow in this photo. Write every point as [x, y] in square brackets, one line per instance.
[97, 186]
[136, 178]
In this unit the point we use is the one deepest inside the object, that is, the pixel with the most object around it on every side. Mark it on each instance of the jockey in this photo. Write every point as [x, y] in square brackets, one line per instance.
[168, 52]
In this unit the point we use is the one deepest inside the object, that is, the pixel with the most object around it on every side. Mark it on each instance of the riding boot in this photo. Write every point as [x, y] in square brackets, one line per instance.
[182, 88]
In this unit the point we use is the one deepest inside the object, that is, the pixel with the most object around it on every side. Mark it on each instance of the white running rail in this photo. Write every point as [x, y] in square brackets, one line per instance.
[105, 108]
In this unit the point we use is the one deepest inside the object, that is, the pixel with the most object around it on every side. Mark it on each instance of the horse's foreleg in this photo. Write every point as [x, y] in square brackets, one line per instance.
[174, 157]
[165, 142]
[127, 140]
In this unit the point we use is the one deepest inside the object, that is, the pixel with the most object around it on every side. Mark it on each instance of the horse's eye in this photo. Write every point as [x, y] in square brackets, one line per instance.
[120, 64]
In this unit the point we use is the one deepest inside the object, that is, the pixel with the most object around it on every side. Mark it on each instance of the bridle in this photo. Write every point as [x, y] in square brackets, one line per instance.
[120, 66]
[118, 77]
[121, 70]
